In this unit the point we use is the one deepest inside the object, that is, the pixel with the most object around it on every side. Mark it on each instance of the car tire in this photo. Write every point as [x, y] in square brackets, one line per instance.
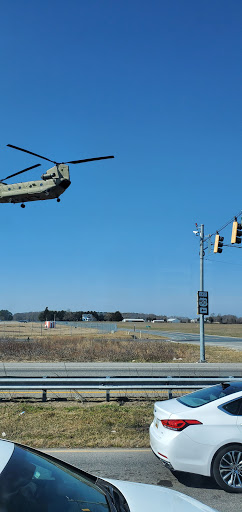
[227, 468]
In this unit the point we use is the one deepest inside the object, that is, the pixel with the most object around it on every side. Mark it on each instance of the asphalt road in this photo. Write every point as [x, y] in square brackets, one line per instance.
[141, 465]
[221, 341]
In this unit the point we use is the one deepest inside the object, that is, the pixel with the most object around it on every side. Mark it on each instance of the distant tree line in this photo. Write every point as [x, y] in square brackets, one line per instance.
[32, 316]
[146, 316]
[224, 319]
[76, 316]
[5, 315]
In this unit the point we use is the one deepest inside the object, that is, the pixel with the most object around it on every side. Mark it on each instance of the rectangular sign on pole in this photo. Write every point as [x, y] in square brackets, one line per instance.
[202, 303]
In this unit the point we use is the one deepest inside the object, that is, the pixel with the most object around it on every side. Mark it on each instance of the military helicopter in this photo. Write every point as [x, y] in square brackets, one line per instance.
[52, 184]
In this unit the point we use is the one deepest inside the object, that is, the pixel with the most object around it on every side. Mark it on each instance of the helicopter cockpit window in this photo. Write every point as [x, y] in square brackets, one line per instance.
[9, 188]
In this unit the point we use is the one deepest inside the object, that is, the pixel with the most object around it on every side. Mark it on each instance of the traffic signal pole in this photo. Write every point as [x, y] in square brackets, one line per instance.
[202, 344]
[202, 299]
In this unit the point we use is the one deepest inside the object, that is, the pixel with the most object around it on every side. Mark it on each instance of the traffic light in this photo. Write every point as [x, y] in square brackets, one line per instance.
[236, 233]
[218, 244]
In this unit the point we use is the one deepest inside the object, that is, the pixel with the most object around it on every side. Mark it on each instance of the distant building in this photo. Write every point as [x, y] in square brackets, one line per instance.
[194, 320]
[173, 320]
[156, 321]
[87, 317]
[133, 320]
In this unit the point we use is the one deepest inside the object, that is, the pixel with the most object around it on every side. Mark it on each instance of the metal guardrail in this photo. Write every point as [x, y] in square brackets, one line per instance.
[107, 384]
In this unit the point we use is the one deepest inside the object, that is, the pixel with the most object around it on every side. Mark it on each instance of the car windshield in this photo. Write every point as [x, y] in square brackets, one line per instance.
[207, 395]
[32, 483]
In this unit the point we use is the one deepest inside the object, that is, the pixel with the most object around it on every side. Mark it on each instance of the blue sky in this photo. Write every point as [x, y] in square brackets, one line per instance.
[158, 85]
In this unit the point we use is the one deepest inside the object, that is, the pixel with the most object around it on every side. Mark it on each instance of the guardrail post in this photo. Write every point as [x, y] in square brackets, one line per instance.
[169, 390]
[44, 393]
[107, 393]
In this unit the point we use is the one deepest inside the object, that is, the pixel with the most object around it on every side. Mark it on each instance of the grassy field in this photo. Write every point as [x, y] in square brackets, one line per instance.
[31, 342]
[234, 330]
[77, 425]
[109, 348]
[37, 330]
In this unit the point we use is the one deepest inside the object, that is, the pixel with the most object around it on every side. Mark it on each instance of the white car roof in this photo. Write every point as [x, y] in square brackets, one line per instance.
[6, 450]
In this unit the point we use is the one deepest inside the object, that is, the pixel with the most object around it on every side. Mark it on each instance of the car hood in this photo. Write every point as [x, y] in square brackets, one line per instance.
[143, 497]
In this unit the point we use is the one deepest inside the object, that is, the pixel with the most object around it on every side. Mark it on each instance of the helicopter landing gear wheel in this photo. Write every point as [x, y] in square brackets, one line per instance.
[58, 199]
[22, 205]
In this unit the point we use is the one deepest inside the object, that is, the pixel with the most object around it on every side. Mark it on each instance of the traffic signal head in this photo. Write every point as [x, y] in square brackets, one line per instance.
[218, 244]
[236, 233]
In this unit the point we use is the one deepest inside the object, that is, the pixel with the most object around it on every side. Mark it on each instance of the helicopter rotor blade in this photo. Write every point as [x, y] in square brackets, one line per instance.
[20, 172]
[57, 163]
[89, 160]
[30, 152]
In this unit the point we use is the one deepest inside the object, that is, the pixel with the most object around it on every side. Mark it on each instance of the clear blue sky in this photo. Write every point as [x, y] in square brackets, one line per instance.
[158, 84]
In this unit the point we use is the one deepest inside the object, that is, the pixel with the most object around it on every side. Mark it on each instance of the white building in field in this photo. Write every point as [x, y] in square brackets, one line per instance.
[133, 320]
[173, 320]
[87, 317]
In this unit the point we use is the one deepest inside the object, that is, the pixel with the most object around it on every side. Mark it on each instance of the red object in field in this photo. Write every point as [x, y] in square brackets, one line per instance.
[49, 324]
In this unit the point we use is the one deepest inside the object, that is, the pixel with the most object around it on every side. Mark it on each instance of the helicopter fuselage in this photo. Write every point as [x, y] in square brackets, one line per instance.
[52, 184]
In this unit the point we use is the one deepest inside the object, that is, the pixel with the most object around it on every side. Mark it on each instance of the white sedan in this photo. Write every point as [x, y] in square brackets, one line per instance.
[31, 481]
[201, 433]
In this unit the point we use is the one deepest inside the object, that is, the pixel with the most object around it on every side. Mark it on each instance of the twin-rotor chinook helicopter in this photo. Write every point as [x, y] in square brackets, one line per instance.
[52, 184]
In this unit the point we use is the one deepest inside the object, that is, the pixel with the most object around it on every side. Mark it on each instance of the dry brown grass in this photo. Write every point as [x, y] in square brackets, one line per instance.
[109, 349]
[84, 349]
[36, 330]
[77, 425]
[31, 342]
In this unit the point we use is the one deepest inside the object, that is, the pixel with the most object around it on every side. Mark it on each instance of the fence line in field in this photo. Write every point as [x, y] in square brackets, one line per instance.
[24, 330]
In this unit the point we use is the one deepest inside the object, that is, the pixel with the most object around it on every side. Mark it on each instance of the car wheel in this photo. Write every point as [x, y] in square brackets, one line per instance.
[227, 468]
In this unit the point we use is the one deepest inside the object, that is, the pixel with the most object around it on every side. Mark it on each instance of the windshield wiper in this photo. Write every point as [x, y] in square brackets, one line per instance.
[86, 502]
[115, 495]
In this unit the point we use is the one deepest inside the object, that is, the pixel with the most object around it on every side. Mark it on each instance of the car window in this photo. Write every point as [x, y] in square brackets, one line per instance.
[234, 407]
[32, 483]
[207, 395]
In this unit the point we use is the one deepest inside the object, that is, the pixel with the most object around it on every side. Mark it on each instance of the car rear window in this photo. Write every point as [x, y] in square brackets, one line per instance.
[207, 395]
